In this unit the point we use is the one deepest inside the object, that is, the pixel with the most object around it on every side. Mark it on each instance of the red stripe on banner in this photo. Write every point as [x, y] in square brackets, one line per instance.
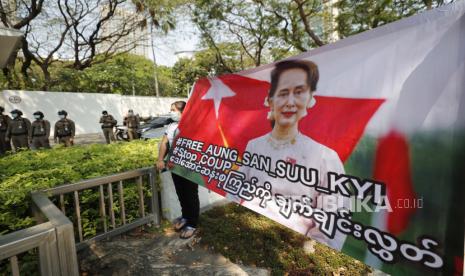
[199, 122]
[335, 122]
[243, 116]
[458, 263]
[338, 123]
[392, 167]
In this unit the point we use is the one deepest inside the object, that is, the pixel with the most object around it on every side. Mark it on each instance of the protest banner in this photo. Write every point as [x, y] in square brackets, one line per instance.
[358, 144]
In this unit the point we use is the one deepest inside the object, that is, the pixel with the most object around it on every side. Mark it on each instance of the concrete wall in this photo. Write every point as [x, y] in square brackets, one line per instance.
[84, 108]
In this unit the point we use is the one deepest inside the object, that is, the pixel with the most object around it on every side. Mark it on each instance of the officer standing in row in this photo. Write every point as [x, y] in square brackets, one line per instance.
[108, 122]
[19, 130]
[64, 130]
[132, 122]
[4, 122]
[40, 131]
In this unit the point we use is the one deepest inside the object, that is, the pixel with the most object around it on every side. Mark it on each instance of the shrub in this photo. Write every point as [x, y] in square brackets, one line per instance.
[28, 171]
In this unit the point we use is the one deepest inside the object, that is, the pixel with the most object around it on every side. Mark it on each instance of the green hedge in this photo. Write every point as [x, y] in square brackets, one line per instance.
[28, 171]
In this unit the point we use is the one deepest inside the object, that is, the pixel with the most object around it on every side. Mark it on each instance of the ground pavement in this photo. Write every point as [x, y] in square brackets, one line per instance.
[91, 138]
[140, 253]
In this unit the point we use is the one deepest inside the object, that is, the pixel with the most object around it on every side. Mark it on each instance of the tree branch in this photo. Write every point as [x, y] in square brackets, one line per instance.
[304, 19]
[34, 11]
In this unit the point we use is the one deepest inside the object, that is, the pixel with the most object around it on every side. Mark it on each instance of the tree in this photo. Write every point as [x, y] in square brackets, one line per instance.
[166, 81]
[274, 29]
[245, 22]
[161, 15]
[358, 16]
[265, 30]
[303, 24]
[100, 28]
[122, 74]
[45, 40]
[18, 15]
[186, 72]
[205, 63]
[78, 30]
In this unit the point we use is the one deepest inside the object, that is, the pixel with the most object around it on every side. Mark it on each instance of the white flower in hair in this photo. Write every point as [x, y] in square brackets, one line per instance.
[312, 102]
[270, 115]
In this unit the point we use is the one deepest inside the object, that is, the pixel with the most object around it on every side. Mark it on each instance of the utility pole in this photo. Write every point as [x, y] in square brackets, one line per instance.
[133, 89]
[155, 77]
[132, 82]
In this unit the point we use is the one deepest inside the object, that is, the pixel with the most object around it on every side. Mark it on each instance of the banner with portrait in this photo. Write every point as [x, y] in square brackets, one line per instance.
[358, 144]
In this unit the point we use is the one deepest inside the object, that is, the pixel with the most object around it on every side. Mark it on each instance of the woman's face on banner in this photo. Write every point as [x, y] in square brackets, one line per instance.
[292, 96]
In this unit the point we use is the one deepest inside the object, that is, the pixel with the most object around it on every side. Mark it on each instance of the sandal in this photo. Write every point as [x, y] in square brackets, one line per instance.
[179, 223]
[187, 232]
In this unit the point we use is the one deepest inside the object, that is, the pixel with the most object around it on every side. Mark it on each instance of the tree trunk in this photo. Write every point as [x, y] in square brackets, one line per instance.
[155, 77]
[428, 3]
[307, 28]
[8, 75]
[47, 78]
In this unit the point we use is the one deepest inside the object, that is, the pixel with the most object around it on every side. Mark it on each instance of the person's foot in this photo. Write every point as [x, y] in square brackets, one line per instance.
[187, 232]
[179, 223]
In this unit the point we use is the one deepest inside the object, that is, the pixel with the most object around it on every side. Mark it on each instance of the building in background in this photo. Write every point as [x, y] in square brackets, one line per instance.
[330, 23]
[138, 40]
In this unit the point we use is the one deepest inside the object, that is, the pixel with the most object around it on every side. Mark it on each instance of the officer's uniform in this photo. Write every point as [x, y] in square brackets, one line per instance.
[108, 122]
[19, 130]
[40, 133]
[4, 145]
[64, 131]
[132, 122]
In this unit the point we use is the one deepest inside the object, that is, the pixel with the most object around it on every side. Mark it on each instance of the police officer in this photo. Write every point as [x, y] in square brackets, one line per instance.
[132, 122]
[40, 131]
[108, 122]
[19, 130]
[64, 130]
[4, 122]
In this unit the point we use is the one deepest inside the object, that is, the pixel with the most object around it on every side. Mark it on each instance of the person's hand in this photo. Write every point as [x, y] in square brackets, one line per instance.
[160, 165]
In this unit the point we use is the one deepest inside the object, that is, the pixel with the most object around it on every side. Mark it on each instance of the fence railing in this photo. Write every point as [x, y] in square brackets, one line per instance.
[55, 238]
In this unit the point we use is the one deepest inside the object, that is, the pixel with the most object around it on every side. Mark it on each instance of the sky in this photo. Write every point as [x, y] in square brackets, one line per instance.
[184, 38]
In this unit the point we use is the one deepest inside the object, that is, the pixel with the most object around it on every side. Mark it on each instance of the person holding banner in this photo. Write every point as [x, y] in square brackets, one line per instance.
[291, 91]
[186, 190]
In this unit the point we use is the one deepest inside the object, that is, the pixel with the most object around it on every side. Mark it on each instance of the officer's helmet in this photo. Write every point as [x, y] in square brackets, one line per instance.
[62, 112]
[17, 111]
[39, 113]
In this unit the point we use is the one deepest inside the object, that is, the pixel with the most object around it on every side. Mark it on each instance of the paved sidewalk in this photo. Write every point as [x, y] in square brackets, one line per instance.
[157, 254]
[91, 138]
[84, 139]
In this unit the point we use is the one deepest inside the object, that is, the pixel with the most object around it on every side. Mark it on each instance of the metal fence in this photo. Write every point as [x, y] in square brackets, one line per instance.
[55, 238]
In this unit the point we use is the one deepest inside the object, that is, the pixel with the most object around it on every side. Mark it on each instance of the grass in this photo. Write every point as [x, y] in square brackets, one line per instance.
[248, 238]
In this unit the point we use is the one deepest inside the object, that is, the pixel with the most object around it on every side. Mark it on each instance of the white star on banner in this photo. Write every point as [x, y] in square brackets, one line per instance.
[218, 90]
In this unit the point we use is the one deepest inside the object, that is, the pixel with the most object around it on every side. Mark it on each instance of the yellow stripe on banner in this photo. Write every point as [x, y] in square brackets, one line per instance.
[235, 167]
[222, 136]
